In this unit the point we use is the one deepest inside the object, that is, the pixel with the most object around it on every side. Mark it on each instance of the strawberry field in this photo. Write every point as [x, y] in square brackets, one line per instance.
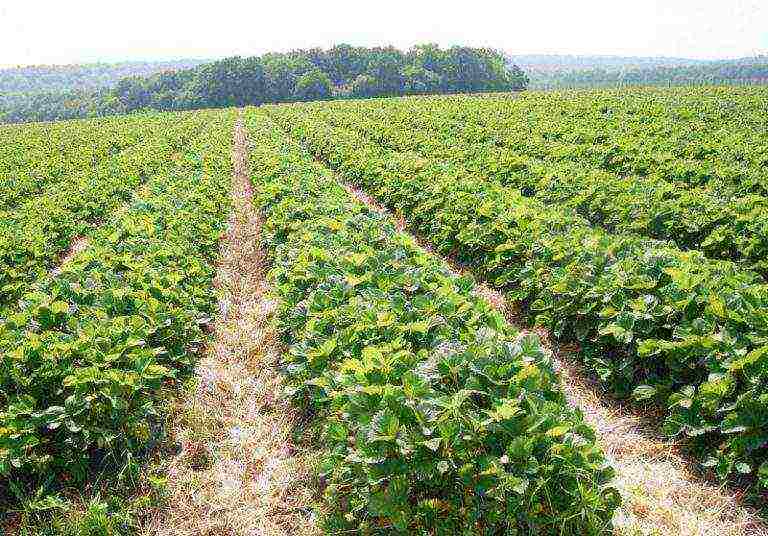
[633, 225]
[86, 348]
[437, 417]
[630, 225]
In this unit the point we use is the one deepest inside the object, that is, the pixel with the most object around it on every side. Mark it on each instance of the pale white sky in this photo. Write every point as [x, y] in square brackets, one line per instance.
[75, 31]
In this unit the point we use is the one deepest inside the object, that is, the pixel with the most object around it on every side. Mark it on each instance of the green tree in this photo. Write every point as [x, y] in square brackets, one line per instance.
[313, 85]
[281, 73]
[365, 86]
[342, 70]
[420, 81]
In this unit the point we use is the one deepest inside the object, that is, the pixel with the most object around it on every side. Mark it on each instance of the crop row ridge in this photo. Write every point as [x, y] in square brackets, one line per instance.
[660, 486]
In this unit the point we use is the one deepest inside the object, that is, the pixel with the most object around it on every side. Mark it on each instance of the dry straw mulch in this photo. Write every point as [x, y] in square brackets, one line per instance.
[238, 472]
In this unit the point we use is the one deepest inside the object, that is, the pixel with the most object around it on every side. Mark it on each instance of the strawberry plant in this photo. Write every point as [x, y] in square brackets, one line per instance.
[436, 417]
[38, 156]
[668, 326]
[488, 137]
[84, 356]
[34, 234]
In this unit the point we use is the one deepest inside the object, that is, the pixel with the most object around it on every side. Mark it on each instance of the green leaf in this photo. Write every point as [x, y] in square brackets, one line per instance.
[558, 431]
[717, 306]
[644, 392]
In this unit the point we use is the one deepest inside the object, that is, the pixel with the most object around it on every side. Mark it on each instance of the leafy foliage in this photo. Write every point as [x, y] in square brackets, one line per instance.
[565, 71]
[35, 157]
[341, 71]
[675, 327]
[437, 418]
[313, 85]
[50, 78]
[34, 233]
[633, 170]
[84, 355]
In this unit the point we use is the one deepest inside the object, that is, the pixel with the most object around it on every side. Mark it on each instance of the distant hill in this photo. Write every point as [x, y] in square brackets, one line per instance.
[55, 78]
[559, 62]
[596, 71]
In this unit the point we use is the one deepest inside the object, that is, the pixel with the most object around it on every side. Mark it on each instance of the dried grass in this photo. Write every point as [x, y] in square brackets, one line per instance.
[238, 472]
[78, 245]
[662, 495]
[661, 491]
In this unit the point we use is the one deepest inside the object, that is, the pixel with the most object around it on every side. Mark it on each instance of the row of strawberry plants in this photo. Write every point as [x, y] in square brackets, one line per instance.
[436, 417]
[83, 359]
[695, 136]
[36, 232]
[721, 222]
[669, 326]
[36, 156]
[690, 136]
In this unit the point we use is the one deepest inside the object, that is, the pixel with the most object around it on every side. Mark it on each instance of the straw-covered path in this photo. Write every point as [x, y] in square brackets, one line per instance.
[238, 472]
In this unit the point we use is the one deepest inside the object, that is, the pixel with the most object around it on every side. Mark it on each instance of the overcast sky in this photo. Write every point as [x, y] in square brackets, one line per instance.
[75, 31]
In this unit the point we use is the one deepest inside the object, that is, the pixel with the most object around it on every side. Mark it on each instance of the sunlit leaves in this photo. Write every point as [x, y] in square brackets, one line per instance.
[436, 417]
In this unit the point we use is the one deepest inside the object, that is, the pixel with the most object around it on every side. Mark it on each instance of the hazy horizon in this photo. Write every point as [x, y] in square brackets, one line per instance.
[211, 59]
[92, 32]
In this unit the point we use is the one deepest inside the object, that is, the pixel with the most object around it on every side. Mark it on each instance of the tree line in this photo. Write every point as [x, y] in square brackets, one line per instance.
[747, 70]
[343, 71]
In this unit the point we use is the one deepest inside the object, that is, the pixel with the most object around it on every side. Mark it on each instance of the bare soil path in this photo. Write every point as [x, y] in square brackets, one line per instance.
[238, 472]
[78, 245]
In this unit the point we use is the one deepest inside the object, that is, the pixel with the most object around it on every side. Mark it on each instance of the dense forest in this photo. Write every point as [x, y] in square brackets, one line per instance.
[587, 71]
[315, 74]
